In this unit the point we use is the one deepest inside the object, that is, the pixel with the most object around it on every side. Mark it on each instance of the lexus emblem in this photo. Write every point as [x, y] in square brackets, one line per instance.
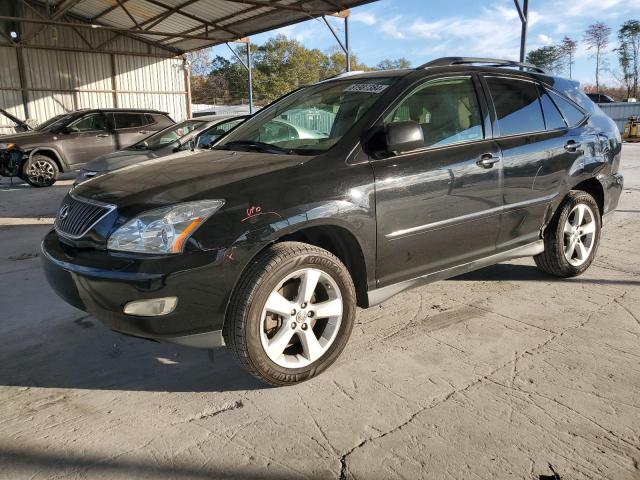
[64, 212]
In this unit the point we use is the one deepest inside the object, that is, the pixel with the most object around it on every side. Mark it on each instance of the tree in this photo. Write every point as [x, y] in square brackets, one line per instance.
[596, 37]
[393, 64]
[549, 58]
[568, 48]
[628, 55]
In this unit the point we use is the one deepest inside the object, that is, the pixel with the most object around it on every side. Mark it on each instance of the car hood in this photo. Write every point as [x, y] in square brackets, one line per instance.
[163, 181]
[125, 158]
[119, 159]
[25, 139]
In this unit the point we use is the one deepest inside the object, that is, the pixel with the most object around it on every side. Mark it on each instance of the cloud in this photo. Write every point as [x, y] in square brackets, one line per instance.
[367, 18]
[390, 27]
[587, 8]
[545, 39]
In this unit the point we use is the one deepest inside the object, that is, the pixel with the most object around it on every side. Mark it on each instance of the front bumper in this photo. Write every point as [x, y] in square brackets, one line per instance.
[102, 283]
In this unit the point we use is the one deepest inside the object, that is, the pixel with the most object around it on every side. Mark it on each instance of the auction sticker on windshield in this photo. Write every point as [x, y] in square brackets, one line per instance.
[366, 88]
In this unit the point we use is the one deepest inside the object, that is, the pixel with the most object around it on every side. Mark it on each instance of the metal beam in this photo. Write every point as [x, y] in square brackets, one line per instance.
[64, 7]
[86, 50]
[193, 17]
[344, 46]
[108, 28]
[247, 65]
[108, 10]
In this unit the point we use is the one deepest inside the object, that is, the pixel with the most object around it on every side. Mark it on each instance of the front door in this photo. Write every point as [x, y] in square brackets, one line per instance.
[438, 206]
[85, 139]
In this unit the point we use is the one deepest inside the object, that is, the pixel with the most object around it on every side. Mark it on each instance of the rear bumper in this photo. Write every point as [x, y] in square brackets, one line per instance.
[612, 185]
[102, 283]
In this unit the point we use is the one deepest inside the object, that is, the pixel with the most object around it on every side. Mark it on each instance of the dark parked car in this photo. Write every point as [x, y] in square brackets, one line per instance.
[600, 98]
[66, 142]
[268, 246]
[190, 136]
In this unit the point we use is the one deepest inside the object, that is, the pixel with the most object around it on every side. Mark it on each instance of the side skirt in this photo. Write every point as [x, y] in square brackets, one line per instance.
[379, 295]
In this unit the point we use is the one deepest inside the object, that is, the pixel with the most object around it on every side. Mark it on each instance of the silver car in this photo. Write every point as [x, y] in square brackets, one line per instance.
[193, 134]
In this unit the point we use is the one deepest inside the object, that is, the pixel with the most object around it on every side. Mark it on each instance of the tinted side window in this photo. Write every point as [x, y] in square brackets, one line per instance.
[446, 109]
[552, 116]
[572, 113]
[93, 122]
[128, 120]
[517, 105]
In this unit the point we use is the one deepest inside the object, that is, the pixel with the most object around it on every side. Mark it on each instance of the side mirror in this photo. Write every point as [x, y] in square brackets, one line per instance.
[403, 137]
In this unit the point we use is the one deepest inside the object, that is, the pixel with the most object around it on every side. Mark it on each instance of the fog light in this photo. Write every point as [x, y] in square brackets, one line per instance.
[151, 307]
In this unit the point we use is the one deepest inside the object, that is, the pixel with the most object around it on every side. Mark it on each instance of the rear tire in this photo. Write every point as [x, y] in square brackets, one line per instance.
[40, 171]
[291, 314]
[572, 237]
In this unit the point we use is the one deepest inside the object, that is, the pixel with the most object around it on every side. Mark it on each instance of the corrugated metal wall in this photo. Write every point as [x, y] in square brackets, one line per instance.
[620, 112]
[58, 79]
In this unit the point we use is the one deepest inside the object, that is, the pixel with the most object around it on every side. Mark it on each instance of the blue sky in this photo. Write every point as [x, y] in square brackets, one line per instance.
[421, 30]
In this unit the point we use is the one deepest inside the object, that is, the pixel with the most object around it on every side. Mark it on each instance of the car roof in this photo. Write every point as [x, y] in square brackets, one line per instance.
[214, 118]
[119, 110]
[453, 65]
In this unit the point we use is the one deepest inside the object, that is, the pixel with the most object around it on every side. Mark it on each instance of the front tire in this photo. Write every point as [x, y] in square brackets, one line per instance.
[40, 171]
[572, 237]
[291, 314]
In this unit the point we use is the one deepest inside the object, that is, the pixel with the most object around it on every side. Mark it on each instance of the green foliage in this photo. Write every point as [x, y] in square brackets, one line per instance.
[629, 55]
[393, 64]
[279, 66]
[549, 58]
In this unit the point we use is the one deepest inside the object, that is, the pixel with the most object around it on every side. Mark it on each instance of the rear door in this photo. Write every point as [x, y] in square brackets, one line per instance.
[438, 206]
[130, 128]
[88, 137]
[538, 151]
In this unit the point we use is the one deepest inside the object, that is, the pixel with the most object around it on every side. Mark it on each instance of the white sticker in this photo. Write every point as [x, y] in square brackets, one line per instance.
[366, 88]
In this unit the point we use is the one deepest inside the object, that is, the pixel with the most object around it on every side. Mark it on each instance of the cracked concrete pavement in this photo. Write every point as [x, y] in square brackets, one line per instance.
[500, 373]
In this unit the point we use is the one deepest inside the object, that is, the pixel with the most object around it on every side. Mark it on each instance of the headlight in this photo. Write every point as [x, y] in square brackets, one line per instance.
[164, 230]
[7, 146]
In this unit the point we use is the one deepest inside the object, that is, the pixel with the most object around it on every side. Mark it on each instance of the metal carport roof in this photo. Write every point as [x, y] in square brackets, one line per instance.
[182, 25]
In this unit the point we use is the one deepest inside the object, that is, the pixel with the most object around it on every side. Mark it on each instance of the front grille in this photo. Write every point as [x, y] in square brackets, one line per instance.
[76, 217]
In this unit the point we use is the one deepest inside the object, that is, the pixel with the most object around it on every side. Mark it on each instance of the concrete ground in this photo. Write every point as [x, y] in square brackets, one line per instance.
[502, 373]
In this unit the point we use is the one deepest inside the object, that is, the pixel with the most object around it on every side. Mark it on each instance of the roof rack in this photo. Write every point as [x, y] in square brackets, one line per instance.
[489, 62]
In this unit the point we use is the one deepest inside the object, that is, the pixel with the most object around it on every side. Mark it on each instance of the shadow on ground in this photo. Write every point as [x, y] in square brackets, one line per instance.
[80, 353]
[47, 462]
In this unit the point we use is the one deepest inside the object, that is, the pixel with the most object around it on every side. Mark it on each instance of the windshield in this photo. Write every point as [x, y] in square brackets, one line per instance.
[56, 122]
[169, 135]
[309, 121]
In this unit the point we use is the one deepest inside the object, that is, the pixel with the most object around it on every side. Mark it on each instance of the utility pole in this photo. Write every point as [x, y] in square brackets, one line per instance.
[523, 13]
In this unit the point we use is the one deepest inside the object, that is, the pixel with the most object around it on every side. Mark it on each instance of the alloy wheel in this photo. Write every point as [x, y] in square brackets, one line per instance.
[301, 318]
[579, 234]
[41, 173]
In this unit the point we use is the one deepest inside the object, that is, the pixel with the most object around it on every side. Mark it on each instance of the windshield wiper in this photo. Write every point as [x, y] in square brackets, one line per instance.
[252, 145]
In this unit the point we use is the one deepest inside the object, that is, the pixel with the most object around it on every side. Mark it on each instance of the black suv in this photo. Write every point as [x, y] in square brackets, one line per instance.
[268, 242]
[66, 142]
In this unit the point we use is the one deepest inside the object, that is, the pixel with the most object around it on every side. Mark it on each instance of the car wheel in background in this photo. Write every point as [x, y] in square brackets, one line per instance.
[291, 314]
[572, 237]
[40, 171]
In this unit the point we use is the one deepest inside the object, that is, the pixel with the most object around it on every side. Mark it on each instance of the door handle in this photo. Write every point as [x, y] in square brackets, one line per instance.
[144, 132]
[572, 146]
[487, 160]
[102, 135]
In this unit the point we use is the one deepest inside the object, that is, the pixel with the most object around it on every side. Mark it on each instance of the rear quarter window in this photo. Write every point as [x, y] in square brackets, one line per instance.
[572, 114]
[552, 116]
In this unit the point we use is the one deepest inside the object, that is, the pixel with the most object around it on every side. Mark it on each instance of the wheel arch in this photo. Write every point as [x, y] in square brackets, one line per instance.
[591, 185]
[341, 242]
[51, 153]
